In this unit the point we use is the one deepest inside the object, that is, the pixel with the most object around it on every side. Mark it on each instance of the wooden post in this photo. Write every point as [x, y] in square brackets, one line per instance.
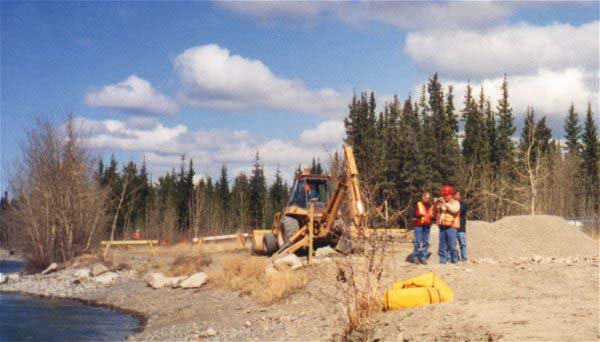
[311, 222]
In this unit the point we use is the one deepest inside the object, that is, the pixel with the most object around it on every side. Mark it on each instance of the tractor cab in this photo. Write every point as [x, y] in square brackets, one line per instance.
[319, 188]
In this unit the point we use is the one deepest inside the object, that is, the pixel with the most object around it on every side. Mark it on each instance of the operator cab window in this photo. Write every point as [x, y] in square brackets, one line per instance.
[299, 196]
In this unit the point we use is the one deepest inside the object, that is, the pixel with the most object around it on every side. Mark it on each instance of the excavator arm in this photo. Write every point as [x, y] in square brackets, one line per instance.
[348, 187]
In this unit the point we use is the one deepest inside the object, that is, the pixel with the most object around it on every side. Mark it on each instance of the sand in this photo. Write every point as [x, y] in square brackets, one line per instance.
[524, 236]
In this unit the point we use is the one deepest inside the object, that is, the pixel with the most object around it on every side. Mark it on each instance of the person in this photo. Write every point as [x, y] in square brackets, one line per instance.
[310, 193]
[448, 220]
[422, 214]
[461, 235]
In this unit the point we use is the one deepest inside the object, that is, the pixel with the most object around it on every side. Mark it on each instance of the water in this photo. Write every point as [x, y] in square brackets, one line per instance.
[9, 266]
[29, 318]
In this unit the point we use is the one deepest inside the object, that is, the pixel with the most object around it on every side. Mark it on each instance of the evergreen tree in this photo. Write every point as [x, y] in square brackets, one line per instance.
[505, 130]
[222, 186]
[591, 159]
[240, 202]
[475, 150]
[258, 190]
[492, 136]
[573, 133]
[278, 193]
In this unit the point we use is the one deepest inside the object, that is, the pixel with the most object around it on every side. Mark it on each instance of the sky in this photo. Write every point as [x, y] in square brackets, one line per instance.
[219, 81]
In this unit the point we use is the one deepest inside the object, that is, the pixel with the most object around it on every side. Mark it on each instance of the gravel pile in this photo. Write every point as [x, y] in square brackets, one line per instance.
[524, 236]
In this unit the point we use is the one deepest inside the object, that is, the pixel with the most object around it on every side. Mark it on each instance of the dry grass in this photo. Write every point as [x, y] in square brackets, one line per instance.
[187, 264]
[247, 275]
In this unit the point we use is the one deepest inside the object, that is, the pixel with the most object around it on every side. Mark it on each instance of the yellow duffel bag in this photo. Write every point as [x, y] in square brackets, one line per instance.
[420, 290]
[410, 297]
[428, 280]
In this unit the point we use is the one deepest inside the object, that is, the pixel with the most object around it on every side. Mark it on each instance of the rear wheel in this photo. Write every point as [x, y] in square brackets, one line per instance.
[289, 226]
[270, 243]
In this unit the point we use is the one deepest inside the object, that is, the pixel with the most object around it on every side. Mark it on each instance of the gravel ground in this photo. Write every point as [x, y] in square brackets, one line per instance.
[531, 294]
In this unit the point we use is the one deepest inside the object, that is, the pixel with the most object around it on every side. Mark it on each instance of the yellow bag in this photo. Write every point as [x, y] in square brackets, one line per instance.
[420, 290]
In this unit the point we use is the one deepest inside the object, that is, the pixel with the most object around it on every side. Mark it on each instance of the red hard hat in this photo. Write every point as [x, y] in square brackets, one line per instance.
[447, 190]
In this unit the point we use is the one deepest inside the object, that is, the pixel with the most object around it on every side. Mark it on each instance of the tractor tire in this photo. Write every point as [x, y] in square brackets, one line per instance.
[270, 243]
[344, 245]
[290, 226]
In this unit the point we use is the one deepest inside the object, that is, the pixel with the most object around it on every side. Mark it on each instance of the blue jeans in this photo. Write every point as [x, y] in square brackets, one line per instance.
[447, 248]
[462, 242]
[421, 243]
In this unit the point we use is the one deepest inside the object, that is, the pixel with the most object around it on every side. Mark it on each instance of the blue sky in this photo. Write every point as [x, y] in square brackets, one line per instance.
[219, 80]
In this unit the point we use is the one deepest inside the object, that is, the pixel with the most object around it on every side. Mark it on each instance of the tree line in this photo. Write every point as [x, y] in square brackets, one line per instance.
[64, 200]
[407, 147]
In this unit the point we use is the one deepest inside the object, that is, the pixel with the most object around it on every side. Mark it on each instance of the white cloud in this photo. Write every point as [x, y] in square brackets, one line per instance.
[549, 92]
[163, 146]
[213, 77]
[519, 49]
[132, 95]
[401, 14]
[271, 9]
[423, 15]
[327, 133]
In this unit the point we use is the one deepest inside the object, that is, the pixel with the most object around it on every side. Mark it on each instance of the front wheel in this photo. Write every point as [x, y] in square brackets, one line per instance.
[289, 226]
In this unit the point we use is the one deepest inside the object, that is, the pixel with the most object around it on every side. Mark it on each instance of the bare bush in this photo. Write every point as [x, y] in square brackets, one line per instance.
[60, 208]
[359, 283]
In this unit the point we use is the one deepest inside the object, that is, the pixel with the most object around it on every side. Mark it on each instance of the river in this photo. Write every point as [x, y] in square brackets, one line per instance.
[29, 318]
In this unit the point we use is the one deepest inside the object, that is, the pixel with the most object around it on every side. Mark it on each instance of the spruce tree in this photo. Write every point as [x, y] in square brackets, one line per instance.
[591, 159]
[258, 191]
[572, 133]
[223, 195]
[492, 136]
[240, 202]
[505, 130]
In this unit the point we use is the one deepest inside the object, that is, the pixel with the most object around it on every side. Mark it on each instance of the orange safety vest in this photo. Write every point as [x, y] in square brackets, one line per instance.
[447, 219]
[425, 215]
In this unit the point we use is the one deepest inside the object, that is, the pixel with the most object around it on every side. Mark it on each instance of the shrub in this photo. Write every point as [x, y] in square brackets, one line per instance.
[60, 207]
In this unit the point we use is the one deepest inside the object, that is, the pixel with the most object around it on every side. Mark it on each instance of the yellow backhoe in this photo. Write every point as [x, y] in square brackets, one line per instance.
[312, 218]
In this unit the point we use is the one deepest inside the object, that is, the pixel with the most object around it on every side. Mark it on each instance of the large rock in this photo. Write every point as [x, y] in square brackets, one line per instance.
[157, 280]
[270, 269]
[325, 252]
[3, 278]
[14, 276]
[289, 261]
[99, 269]
[82, 273]
[195, 281]
[51, 268]
[107, 278]
[176, 281]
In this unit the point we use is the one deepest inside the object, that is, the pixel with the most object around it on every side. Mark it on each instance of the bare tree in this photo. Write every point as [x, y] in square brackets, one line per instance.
[61, 207]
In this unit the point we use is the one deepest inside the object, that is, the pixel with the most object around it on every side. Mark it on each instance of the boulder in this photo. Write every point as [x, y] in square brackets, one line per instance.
[51, 268]
[107, 278]
[289, 261]
[325, 252]
[211, 332]
[3, 278]
[82, 273]
[157, 280]
[270, 269]
[176, 281]
[14, 276]
[99, 269]
[195, 281]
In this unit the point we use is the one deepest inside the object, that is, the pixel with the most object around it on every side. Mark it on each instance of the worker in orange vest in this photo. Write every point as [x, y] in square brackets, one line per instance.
[448, 220]
[422, 214]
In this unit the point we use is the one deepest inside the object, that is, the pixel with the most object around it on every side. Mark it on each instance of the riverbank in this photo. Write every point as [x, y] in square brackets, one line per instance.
[515, 291]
